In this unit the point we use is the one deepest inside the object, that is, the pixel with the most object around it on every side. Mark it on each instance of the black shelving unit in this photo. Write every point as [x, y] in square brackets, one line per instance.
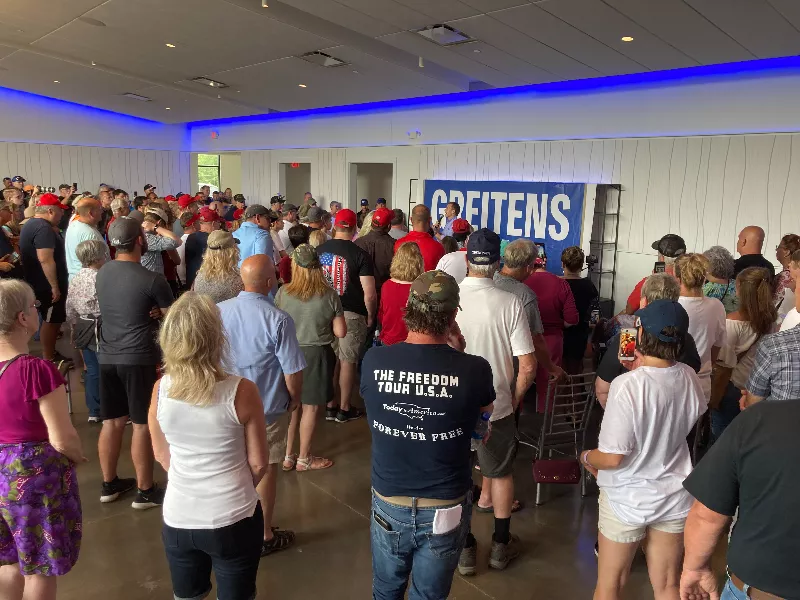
[603, 244]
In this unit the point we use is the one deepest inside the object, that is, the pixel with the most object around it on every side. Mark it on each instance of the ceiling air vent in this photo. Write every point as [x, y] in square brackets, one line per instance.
[211, 82]
[444, 35]
[137, 97]
[322, 59]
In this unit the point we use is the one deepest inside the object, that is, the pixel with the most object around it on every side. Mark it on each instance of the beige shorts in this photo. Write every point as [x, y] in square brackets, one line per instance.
[615, 530]
[276, 439]
[348, 348]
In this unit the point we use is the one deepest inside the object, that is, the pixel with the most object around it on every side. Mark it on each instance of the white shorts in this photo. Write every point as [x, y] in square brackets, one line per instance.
[615, 530]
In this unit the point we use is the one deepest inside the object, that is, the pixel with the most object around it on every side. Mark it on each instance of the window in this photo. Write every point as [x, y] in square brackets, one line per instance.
[208, 171]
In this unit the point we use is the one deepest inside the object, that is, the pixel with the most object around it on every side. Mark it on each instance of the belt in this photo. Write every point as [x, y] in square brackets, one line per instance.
[408, 501]
[752, 592]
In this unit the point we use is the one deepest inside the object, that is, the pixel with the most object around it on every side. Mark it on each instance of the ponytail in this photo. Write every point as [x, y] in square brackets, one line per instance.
[755, 299]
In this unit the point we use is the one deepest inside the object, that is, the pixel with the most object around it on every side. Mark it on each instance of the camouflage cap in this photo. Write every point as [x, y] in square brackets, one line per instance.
[437, 289]
[306, 256]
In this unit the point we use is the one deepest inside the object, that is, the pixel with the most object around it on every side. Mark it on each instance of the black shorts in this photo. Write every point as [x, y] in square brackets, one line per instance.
[125, 390]
[50, 312]
[233, 552]
[496, 456]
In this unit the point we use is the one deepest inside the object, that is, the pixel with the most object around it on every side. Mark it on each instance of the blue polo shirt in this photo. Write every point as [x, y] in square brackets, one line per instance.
[264, 347]
[252, 240]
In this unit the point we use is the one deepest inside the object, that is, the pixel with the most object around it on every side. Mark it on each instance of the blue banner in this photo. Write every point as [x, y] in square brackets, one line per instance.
[550, 214]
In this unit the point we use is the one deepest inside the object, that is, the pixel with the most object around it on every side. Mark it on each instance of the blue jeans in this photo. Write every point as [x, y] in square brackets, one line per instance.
[411, 548]
[731, 592]
[92, 382]
[727, 411]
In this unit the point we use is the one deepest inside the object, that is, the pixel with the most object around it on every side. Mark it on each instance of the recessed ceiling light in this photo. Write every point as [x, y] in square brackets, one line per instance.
[94, 64]
[264, 4]
[211, 82]
[476, 51]
[627, 38]
[170, 45]
[238, 91]
[56, 81]
[168, 108]
[302, 85]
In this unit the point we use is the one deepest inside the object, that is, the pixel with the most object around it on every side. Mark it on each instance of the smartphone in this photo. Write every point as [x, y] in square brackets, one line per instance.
[627, 344]
[660, 267]
[74, 186]
[594, 317]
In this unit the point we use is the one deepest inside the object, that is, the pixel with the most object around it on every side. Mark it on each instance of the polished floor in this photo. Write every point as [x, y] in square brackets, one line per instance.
[122, 557]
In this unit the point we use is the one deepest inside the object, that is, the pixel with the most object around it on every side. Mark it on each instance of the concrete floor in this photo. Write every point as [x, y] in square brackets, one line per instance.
[122, 555]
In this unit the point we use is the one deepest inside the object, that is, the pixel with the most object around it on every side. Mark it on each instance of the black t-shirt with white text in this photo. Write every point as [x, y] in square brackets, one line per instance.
[423, 402]
[343, 264]
[754, 467]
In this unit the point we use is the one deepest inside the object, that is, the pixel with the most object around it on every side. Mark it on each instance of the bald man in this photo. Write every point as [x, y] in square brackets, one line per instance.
[273, 360]
[430, 248]
[750, 245]
[88, 213]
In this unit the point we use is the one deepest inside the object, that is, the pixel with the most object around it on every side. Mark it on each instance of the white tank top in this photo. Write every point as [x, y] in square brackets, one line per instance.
[210, 484]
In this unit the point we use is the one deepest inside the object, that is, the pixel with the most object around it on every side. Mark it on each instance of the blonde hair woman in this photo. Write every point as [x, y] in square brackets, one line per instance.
[219, 276]
[367, 226]
[318, 316]
[317, 238]
[706, 315]
[406, 266]
[209, 433]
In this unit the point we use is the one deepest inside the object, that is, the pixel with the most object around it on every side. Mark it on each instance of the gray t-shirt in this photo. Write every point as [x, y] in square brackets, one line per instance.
[313, 318]
[127, 292]
[398, 234]
[526, 295]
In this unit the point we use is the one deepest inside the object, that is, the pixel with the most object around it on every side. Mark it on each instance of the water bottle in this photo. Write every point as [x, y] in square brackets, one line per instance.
[481, 428]
[376, 339]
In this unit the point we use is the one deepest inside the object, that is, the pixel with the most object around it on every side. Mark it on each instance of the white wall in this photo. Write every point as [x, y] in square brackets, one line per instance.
[375, 180]
[230, 172]
[297, 181]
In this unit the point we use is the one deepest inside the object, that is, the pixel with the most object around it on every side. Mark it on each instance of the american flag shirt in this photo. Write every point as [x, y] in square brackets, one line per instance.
[344, 264]
[336, 271]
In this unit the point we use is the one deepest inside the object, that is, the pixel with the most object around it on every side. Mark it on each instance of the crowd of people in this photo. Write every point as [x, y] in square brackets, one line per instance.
[219, 330]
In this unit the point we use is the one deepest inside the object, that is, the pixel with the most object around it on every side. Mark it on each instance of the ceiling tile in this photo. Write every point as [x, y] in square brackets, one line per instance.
[390, 12]
[183, 106]
[441, 11]
[790, 9]
[516, 43]
[551, 31]
[344, 16]
[506, 63]
[490, 5]
[27, 20]
[605, 24]
[755, 24]
[681, 26]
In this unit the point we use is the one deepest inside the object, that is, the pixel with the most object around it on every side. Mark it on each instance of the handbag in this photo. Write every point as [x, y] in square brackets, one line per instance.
[84, 333]
[561, 470]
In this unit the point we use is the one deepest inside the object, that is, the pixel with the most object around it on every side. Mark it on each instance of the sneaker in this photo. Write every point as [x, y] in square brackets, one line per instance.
[330, 413]
[114, 489]
[350, 415]
[468, 561]
[281, 540]
[94, 420]
[502, 554]
[148, 498]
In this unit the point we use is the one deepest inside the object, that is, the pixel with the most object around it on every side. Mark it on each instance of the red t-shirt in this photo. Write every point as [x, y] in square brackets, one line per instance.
[285, 269]
[430, 248]
[25, 381]
[636, 297]
[556, 303]
[394, 297]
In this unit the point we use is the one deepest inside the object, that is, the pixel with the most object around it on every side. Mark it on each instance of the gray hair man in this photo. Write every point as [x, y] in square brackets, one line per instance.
[495, 326]
[120, 207]
[659, 286]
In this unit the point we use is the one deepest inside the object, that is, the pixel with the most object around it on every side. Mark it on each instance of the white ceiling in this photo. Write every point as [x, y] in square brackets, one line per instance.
[254, 50]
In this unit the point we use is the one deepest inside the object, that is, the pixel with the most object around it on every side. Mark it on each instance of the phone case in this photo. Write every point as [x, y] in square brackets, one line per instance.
[627, 344]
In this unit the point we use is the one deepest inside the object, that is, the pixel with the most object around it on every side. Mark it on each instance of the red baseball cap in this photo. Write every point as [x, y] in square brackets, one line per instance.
[461, 226]
[207, 215]
[169, 198]
[184, 200]
[51, 200]
[345, 218]
[382, 217]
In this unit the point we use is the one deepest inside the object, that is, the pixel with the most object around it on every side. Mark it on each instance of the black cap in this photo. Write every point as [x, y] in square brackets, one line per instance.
[124, 231]
[483, 247]
[239, 198]
[671, 246]
[277, 199]
[149, 186]
[364, 202]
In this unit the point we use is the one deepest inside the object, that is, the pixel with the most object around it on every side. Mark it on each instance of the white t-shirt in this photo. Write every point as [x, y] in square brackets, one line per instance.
[740, 339]
[792, 320]
[648, 415]
[454, 264]
[284, 235]
[707, 327]
[497, 335]
[181, 268]
[277, 245]
[786, 305]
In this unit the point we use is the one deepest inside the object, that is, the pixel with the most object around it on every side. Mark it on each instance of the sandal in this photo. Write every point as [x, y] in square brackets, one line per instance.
[289, 461]
[516, 506]
[281, 540]
[313, 463]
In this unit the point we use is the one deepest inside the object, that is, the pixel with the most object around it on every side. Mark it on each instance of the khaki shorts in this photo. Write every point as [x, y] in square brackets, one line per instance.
[348, 348]
[615, 530]
[276, 439]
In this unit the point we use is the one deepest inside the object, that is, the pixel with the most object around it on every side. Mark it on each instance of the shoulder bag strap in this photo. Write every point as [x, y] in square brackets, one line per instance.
[8, 364]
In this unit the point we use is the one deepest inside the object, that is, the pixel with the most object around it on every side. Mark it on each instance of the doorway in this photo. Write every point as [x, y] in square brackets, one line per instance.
[371, 181]
[295, 181]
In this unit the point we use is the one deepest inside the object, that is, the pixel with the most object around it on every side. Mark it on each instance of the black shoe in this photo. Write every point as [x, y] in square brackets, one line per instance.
[112, 490]
[281, 540]
[148, 498]
[350, 415]
[58, 358]
[330, 413]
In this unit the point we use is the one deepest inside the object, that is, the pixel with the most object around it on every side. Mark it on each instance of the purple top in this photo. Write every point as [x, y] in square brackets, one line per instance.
[22, 385]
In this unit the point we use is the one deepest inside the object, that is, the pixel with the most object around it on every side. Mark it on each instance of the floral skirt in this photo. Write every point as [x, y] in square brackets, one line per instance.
[40, 509]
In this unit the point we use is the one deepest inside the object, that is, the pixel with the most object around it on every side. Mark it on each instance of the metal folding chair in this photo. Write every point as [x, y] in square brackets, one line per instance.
[64, 367]
[565, 420]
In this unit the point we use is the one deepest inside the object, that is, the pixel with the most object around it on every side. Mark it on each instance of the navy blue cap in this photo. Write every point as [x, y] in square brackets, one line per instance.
[364, 202]
[660, 314]
[381, 201]
[483, 247]
[17, 178]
